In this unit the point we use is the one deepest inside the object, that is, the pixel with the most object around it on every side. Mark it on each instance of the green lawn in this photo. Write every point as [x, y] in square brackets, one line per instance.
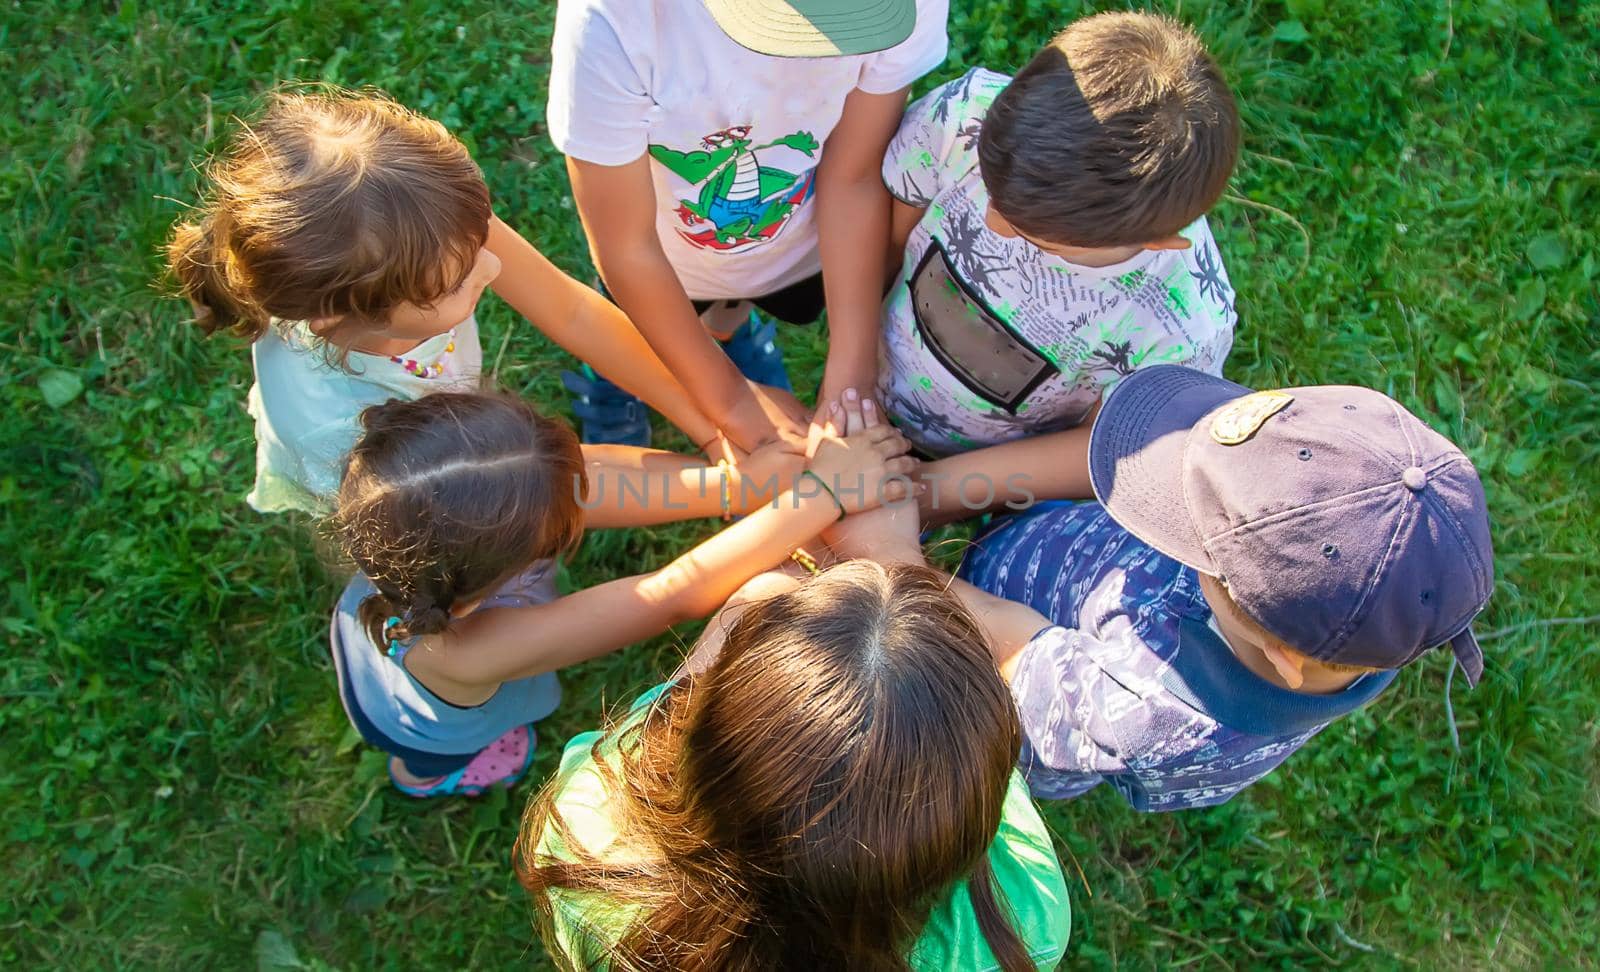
[1416, 209]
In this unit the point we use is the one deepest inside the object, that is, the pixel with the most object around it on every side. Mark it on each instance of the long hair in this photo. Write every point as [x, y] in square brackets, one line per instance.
[446, 497]
[332, 204]
[806, 801]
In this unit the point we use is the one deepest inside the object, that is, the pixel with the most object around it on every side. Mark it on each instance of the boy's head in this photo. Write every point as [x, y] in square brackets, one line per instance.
[1121, 132]
[1338, 523]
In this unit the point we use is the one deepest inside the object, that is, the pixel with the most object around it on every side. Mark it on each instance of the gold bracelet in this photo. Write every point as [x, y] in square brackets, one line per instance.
[727, 490]
[805, 560]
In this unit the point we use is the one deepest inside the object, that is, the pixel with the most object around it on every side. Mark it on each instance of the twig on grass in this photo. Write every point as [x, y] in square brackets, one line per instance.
[1305, 234]
[1540, 623]
[494, 373]
[1449, 29]
[1344, 936]
[1170, 932]
[1449, 708]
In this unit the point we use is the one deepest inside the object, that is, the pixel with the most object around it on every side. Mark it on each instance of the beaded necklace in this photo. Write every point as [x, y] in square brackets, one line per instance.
[433, 370]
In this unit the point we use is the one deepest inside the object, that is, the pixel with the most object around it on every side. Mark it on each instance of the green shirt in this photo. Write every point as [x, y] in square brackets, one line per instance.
[1026, 872]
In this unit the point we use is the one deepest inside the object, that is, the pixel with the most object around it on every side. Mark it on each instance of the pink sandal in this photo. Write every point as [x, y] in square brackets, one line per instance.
[501, 763]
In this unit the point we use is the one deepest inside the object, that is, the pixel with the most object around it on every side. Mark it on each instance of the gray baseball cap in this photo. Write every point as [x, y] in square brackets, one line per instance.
[815, 28]
[1340, 522]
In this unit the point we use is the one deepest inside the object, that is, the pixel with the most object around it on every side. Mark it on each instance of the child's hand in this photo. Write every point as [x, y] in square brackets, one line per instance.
[869, 466]
[765, 472]
[889, 534]
[772, 416]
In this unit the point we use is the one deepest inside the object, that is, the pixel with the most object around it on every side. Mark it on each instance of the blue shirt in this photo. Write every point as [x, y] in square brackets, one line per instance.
[1132, 686]
[405, 711]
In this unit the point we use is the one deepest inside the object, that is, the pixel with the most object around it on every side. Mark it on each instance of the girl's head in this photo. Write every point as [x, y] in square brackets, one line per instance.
[342, 209]
[447, 497]
[805, 801]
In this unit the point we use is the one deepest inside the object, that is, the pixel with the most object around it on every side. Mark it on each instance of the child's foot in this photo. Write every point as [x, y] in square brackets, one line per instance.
[501, 764]
[753, 349]
[606, 413]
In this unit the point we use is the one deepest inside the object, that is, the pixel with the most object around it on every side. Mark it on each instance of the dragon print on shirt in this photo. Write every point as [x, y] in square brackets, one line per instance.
[742, 203]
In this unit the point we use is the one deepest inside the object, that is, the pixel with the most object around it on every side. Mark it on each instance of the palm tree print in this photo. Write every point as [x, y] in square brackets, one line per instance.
[922, 423]
[964, 242]
[968, 135]
[957, 90]
[1116, 355]
[1209, 278]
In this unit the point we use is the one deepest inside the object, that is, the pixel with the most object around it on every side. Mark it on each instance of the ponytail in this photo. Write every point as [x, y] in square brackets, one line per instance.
[200, 267]
[386, 618]
[330, 205]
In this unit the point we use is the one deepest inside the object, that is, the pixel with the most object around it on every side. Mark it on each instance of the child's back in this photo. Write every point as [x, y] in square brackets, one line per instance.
[1059, 239]
[1263, 564]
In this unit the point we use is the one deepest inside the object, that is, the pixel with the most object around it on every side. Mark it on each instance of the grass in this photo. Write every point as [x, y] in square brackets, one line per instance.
[1416, 210]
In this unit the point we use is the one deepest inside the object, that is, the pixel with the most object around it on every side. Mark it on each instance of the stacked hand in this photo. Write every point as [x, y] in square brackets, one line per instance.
[889, 531]
[860, 458]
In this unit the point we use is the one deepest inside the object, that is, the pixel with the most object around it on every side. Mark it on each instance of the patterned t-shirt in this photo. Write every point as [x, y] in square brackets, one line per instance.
[988, 338]
[1133, 686]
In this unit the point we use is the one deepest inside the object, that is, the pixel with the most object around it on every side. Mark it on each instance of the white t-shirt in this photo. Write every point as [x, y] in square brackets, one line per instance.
[734, 136]
[988, 338]
[308, 411]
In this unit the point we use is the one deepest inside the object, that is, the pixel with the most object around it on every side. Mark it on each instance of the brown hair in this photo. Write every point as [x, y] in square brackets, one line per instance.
[450, 495]
[1121, 131]
[807, 800]
[331, 204]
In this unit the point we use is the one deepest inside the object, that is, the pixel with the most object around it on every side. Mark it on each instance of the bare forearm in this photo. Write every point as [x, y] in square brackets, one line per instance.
[853, 222]
[647, 288]
[631, 487]
[696, 583]
[589, 327]
[1013, 475]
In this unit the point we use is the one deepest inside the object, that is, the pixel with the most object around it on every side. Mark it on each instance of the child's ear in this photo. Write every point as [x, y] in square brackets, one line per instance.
[320, 326]
[1290, 664]
[461, 609]
[1168, 243]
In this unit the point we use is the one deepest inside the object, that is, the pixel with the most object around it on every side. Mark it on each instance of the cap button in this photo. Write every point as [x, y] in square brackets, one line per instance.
[1414, 478]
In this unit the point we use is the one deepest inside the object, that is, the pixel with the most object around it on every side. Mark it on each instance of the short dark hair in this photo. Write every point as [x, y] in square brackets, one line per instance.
[1121, 131]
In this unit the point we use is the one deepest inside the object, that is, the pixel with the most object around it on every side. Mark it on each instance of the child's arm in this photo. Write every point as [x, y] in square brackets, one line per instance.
[494, 646]
[591, 328]
[630, 487]
[1012, 475]
[854, 228]
[618, 207]
[903, 217]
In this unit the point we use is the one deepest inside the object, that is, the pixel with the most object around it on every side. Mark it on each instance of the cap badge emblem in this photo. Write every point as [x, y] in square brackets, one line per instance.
[1240, 419]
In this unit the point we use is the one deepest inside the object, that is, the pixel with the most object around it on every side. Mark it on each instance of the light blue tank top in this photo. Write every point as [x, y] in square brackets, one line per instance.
[406, 711]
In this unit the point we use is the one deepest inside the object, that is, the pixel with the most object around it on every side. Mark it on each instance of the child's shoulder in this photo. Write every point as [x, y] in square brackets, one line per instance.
[962, 100]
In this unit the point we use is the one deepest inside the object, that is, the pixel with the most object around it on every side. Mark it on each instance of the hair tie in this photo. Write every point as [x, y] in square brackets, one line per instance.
[394, 643]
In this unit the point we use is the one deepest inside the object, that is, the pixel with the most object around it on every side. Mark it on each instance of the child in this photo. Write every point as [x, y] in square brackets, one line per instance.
[1262, 564]
[1054, 240]
[453, 507]
[349, 240]
[832, 785]
[696, 134]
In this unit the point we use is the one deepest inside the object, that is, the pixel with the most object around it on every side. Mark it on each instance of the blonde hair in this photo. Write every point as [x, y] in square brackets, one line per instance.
[331, 204]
